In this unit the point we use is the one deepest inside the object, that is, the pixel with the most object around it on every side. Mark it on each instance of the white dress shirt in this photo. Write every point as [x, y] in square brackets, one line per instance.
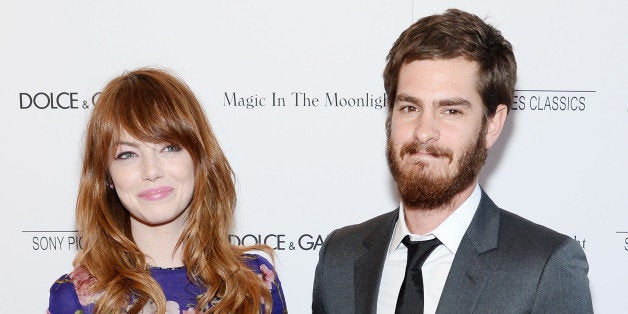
[436, 267]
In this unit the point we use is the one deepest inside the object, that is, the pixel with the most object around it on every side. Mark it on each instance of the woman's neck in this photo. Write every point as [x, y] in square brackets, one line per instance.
[158, 243]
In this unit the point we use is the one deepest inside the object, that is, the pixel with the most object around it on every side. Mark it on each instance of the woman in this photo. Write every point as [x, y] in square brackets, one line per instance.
[155, 206]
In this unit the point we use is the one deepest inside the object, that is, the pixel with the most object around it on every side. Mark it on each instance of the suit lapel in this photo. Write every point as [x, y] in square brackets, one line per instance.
[368, 267]
[474, 262]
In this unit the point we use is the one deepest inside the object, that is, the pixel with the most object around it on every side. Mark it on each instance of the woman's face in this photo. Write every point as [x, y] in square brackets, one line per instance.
[154, 181]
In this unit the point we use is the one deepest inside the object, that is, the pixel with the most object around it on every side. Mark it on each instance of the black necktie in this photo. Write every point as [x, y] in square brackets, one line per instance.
[410, 298]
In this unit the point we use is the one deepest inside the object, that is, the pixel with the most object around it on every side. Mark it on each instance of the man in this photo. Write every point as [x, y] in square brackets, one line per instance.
[450, 80]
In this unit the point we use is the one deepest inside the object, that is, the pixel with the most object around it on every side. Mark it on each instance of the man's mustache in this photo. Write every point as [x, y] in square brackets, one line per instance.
[416, 147]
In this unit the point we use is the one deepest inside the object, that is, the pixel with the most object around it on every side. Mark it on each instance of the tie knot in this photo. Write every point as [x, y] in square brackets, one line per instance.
[427, 243]
[418, 251]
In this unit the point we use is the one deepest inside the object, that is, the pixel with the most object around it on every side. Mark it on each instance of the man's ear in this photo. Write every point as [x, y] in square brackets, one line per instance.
[495, 125]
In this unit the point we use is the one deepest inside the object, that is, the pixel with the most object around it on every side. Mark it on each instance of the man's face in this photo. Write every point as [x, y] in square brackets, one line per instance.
[437, 144]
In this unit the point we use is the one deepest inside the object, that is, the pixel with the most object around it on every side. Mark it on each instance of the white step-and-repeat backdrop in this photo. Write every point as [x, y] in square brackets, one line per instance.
[294, 92]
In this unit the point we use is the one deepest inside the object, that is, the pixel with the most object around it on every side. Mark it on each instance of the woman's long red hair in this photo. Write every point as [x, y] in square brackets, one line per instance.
[154, 106]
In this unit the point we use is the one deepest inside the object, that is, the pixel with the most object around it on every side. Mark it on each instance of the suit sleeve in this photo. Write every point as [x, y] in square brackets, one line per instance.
[564, 285]
[318, 297]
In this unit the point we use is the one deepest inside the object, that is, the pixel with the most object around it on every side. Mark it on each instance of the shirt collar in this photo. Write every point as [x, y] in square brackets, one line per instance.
[449, 232]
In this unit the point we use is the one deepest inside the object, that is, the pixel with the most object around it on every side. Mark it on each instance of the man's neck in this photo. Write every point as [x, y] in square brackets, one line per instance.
[424, 220]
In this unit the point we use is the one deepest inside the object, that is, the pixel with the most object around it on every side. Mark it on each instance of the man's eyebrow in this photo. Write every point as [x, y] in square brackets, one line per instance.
[407, 98]
[454, 102]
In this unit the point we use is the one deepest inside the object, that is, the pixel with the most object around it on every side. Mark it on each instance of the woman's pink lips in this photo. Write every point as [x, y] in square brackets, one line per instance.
[156, 193]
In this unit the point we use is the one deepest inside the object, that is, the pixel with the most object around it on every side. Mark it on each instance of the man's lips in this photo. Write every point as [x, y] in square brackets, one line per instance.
[423, 154]
[157, 193]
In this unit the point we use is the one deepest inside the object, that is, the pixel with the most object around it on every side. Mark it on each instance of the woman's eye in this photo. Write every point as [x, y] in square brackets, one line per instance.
[172, 148]
[125, 155]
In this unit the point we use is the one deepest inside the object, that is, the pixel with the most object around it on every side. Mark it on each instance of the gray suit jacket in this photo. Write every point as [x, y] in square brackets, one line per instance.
[504, 264]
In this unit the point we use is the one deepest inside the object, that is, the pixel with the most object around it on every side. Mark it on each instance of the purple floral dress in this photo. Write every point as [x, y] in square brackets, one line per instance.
[69, 293]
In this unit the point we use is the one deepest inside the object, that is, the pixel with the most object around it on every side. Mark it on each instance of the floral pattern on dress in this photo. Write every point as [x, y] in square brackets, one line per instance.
[267, 275]
[70, 293]
[82, 281]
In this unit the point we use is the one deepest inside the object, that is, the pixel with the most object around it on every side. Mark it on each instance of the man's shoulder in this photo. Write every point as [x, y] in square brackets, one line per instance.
[523, 235]
[345, 244]
[515, 229]
[523, 227]
[361, 230]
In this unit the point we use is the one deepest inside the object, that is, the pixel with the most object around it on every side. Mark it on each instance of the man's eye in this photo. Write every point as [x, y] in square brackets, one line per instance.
[408, 108]
[453, 111]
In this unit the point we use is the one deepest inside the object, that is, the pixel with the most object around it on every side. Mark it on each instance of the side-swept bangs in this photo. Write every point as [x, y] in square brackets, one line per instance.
[150, 107]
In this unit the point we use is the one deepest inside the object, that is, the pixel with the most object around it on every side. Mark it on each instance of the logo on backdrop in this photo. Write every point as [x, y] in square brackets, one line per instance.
[54, 240]
[55, 100]
[624, 235]
[280, 242]
[582, 242]
[551, 100]
[303, 99]
[58, 240]
[524, 100]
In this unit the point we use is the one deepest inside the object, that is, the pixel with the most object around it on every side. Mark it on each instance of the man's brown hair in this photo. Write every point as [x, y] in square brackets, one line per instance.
[456, 34]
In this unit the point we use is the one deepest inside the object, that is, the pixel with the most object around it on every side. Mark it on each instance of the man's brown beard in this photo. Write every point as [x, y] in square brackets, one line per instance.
[418, 188]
